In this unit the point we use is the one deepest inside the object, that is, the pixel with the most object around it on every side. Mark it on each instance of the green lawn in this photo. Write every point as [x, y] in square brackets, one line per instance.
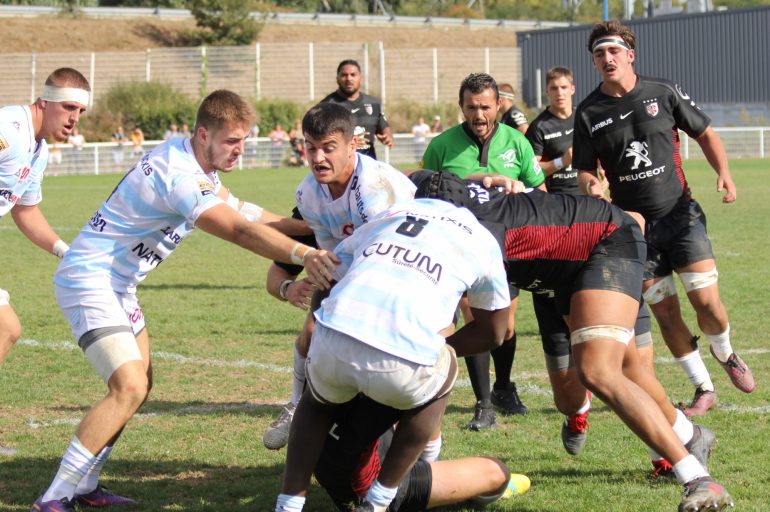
[222, 358]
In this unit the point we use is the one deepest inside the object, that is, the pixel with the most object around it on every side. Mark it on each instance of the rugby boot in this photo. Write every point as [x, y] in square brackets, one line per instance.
[738, 371]
[101, 497]
[62, 505]
[277, 434]
[701, 403]
[662, 467]
[574, 432]
[483, 416]
[368, 507]
[702, 442]
[507, 400]
[704, 495]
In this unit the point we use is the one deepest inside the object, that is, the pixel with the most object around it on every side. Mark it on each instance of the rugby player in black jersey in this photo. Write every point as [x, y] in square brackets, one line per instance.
[630, 125]
[592, 253]
[367, 110]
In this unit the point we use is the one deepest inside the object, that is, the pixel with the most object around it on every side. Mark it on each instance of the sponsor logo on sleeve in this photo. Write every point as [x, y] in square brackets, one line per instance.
[206, 187]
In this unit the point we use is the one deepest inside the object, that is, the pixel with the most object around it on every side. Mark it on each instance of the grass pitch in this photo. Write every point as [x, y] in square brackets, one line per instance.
[222, 358]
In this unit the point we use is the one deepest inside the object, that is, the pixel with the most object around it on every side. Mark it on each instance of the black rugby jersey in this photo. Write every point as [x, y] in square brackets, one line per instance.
[548, 237]
[551, 137]
[514, 117]
[368, 116]
[636, 140]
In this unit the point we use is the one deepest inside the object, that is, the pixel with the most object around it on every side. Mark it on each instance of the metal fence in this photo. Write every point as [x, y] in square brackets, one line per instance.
[303, 72]
[109, 157]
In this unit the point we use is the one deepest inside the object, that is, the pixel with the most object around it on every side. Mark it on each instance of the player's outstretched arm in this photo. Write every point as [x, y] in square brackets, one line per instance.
[31, 221]
[590, 185]
[224, 222]
[716, 155]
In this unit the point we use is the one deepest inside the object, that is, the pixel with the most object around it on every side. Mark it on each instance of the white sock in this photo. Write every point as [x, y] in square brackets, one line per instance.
[689, 469]
[380, 496]
[298, 385]
[586, 405]
[74, 465]
[432, 450]
[288, 503]
[683, 427]
[696, 371]
[89, 482]
[720, 344]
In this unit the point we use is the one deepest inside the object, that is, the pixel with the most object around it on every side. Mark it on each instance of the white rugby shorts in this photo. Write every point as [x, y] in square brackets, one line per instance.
[86, 310]
[339, 366]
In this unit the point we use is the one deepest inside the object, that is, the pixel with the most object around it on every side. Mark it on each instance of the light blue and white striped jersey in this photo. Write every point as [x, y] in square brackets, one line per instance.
[145, 218]
[373, 187]
[22, 159]
[403, 273]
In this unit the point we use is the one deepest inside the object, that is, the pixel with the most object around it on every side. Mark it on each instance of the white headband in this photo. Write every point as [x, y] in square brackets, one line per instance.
[609, 41]
[60, 94]
[506, 95]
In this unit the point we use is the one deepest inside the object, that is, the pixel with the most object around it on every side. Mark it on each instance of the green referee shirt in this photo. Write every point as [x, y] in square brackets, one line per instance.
[505, 152]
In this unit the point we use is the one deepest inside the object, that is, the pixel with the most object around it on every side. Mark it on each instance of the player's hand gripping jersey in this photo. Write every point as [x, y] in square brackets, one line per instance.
[403, 273]
[22, 159]
[372, 188]
[152, 209]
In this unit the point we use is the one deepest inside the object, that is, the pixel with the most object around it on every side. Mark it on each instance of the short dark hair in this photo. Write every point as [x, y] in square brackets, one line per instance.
[558, 72]
[611, 28]
[68, 77]
[476, 83]
[223, 107]
[327, 118]
[348, 62]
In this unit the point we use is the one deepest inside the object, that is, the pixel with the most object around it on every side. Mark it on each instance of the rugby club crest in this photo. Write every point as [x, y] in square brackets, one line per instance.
[368, 108]
[651, 109]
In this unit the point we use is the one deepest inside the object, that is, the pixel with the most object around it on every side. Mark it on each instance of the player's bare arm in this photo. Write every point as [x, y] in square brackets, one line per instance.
[225, 223]
[716, 155]
[386, 137]
[31, 221]
[590, 184]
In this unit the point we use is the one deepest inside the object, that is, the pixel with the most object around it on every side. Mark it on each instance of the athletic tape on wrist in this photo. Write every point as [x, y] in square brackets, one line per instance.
[298, 260]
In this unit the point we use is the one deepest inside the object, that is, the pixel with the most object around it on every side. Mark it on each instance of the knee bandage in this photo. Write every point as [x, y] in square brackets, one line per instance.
[110, 352]
[664, 288]
[697, 280]
[601, 332]
[5, 298]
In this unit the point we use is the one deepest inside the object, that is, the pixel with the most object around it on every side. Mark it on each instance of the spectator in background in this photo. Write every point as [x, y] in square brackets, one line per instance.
[297, 142]
[117, 152]
[78, 141]
[186, 131]
[512, 116]
[137, 139]
[278, 138]
[420, 132]
[172, 132]
[436, 127]
[367, 110]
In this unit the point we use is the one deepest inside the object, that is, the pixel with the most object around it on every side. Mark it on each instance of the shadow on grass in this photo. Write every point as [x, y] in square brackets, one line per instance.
[156, 484]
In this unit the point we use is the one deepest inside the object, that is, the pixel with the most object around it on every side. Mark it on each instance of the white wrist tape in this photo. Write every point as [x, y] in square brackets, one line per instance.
[251, 212]
[295, 258]
[558, 163]
[60, 248]
[233, 201]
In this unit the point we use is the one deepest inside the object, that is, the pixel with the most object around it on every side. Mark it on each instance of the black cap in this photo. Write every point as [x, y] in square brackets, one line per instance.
[441, 185]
